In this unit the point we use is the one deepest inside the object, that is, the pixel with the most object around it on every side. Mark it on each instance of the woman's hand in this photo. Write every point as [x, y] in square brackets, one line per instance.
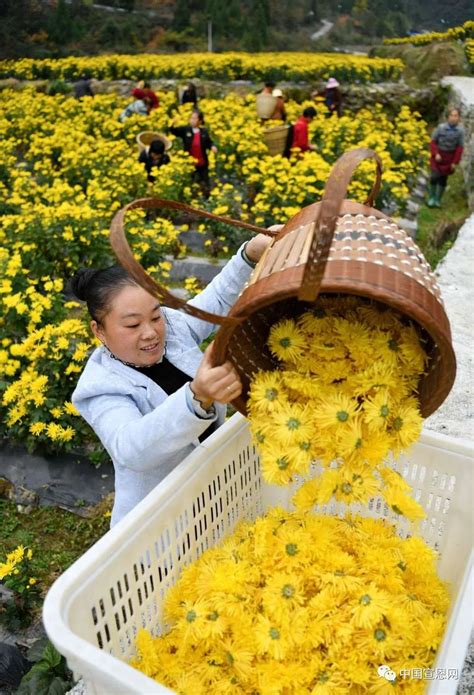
[438, 157]
[221, 384]
[257, 245]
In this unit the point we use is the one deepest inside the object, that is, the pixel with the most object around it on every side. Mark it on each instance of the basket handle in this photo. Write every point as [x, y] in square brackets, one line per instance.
[122, 250]
[331, 202]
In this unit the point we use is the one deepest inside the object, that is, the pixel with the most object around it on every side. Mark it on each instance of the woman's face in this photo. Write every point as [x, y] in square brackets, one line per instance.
[194, 120]
[134, 328]
[453, 117]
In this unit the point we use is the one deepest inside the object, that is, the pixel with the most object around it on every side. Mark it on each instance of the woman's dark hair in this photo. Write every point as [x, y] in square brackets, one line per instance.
[309, 112]
[200, 115]
[454, 108]
[98, 288]
[157, 147]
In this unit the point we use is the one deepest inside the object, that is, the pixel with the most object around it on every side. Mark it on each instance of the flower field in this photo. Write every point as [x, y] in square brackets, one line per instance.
[470, 51]
[67, 166]
[461, 33]
[224, 66]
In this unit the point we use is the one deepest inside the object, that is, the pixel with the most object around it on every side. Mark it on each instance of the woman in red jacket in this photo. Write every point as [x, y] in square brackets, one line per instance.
[446, 147]
[144, 89]
[197, 142]
[298, 134]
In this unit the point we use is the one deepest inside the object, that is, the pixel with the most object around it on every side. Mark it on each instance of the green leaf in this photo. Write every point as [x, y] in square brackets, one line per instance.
[34, 683]
[51, 656]
[58, 686]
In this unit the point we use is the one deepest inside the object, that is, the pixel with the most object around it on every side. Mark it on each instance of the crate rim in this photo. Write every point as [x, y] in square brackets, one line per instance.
[62, 592]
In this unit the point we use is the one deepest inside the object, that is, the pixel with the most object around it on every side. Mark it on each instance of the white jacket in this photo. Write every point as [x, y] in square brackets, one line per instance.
[146, 432]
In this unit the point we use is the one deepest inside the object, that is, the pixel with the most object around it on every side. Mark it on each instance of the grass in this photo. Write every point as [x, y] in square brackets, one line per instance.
[438, 227]
[56, 537]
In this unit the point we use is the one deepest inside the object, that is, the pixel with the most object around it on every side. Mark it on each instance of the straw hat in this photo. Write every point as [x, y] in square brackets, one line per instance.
[277, 93]
[332, 82]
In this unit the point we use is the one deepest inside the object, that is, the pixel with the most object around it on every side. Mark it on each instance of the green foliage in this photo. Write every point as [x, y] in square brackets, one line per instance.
[424, 64]
[76, 26]
[438, 227]
[181, 15]
[49, 676]
[57, 537]
[58, 87]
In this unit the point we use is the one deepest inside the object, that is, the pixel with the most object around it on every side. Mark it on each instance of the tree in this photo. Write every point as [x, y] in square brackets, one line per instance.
[181, 15]
[256, 35]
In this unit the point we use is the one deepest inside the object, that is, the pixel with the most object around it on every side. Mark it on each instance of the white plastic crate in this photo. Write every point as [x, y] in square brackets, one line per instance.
[93, 611]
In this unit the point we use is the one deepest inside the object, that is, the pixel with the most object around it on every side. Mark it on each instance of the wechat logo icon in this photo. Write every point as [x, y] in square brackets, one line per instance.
[387, 673]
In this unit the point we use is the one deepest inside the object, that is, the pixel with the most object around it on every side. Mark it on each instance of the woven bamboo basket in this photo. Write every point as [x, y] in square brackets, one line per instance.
[145, 138]
[275, 139]
[336, 246]
[265, 105]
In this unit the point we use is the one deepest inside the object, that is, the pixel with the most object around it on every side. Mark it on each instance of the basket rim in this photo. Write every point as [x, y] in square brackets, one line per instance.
[157, 136]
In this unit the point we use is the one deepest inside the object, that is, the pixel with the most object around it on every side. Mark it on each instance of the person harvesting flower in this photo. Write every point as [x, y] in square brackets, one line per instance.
[197, 142]
[148, 392]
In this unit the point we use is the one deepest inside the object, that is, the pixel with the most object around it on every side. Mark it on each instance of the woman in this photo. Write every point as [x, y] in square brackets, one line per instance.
[140, 106]
[189, 95]
[154, 158]
[197, 142]
[446, 146]
[144, 89]
[279, 113]
[298, 134]
[333, 97]
[148, 392]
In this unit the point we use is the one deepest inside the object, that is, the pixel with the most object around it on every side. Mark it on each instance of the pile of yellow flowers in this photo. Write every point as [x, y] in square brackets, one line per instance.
[460, 33]
[211, 66]
[299, 604]
[345, 395]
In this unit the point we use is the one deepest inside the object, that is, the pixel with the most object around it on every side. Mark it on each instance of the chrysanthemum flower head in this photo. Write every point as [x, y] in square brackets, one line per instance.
[286, 341]
[292, 424]
[377, 411]
[334, 411]
[267, 393]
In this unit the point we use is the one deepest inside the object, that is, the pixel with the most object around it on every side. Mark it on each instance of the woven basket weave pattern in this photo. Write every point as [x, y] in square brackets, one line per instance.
[367, 239]
[275, 139]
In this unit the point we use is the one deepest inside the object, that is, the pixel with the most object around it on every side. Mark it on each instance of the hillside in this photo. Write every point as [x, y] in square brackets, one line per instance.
[43, 28]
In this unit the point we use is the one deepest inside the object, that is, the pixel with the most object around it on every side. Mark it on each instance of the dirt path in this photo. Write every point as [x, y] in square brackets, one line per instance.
[327, 26]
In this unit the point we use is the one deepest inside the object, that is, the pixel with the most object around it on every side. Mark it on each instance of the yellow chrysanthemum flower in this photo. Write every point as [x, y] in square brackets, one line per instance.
[334, 411]
[286, 341]
[377, 411]
[292, 424]
[267, 392]
[406, 425]
[402, 504]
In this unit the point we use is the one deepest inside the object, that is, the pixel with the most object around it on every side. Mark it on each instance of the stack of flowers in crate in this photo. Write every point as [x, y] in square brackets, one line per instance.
[302, 602]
